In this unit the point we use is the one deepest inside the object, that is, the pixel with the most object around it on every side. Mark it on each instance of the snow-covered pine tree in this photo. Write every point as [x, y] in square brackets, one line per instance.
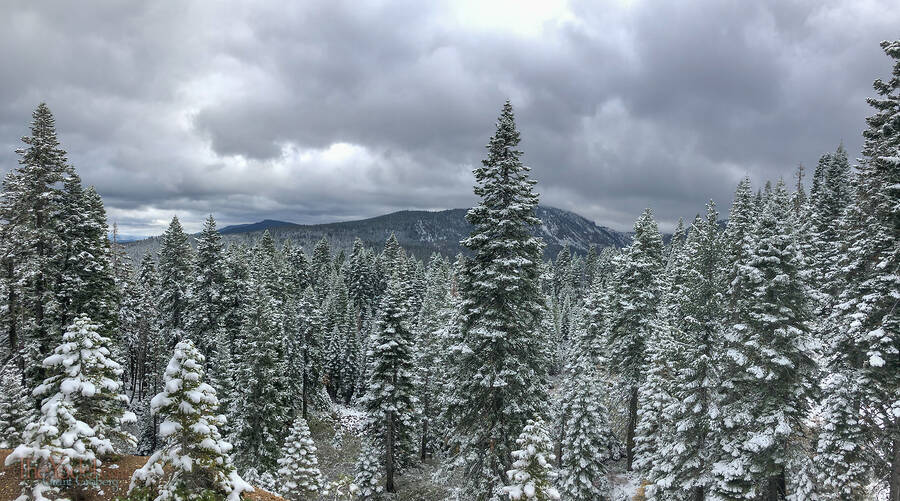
[502, 374]
[635, 300]
[532, 475]
[352, 356]
[86, 284]
[82, 412]
[866, 318]
[391, 400]
[359, 278]
[261, 408]
[204, 312]
[562, 271]
[391, 257]
[321, 269]
[175, 271]
[587, 444]
[698, 296]
[305, 352]
[32, 203]
[430, 324]
[841, 454]
[738, 240]
[369, 472]
[145, 346]
[590, 266]
[770, 372]
[16, 410]
[595, 314]
[298, 472]
[655, 424]
[235, 292]
[194, 459]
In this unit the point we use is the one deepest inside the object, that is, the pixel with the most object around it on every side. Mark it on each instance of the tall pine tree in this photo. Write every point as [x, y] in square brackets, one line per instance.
[502, 372]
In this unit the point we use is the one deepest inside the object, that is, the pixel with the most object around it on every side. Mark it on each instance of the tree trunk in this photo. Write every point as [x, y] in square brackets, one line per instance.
[389, 453]
[775, 490]
[632, 425]
[11, 311]
[699, 495]
[305, 384]
[895, 473]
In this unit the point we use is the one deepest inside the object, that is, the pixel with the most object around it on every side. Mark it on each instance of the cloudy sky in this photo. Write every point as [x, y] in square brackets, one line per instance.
[334, 110]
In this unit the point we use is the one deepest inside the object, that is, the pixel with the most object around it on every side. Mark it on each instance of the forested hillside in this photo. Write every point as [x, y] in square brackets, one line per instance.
[756, 361]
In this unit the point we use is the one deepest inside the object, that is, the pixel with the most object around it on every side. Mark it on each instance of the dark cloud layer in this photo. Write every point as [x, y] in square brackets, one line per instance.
[334, 110]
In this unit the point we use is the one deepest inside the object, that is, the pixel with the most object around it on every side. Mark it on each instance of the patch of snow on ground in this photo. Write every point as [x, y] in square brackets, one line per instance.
[623, 486]
[351, 420]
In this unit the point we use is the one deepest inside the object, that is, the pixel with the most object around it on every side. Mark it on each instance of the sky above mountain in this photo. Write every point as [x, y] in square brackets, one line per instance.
[323, 111]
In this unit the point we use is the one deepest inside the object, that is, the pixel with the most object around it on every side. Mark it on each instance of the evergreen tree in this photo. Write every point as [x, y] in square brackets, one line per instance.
[653, 449]
[502, 372]
[299, 466]
[261, 408]
[368, 471]
[738, 240]
[205, 309]
[320, 268]
[194, 460]
[432, 320]
[587, 444]
[865, 321]
[391, 401]
[87, 284]
[235, 292]
[175, 273]
[82, 412]
[636, 298]
[700, 307]
[32, 206]
[305, 352]
[841, 449]
[359, 278]
[532, 475]
[15, 406]
[770, 376]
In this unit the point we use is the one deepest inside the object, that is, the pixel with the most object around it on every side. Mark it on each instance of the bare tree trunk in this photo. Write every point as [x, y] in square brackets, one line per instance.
[389, 452]
[632, 425]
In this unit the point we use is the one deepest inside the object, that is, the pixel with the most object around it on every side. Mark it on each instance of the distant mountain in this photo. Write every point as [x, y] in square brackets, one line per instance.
[265, 224]
[419, 232]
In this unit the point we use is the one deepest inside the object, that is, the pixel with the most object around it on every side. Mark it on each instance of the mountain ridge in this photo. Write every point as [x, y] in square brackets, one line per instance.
[421, 232]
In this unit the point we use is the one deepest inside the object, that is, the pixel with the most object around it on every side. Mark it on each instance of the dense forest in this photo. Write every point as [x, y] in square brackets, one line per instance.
[756, 359]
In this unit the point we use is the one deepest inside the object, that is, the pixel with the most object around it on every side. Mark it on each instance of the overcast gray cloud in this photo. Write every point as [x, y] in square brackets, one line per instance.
[323, 111]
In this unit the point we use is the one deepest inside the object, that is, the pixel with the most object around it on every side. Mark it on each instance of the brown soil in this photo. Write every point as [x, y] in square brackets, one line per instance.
[9, 480]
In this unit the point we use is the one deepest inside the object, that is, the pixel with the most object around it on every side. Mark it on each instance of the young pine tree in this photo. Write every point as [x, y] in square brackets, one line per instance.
[16, 410]
[298, 465]
[588, 445]
[194, 458]
[82, 412]
[532, 475]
